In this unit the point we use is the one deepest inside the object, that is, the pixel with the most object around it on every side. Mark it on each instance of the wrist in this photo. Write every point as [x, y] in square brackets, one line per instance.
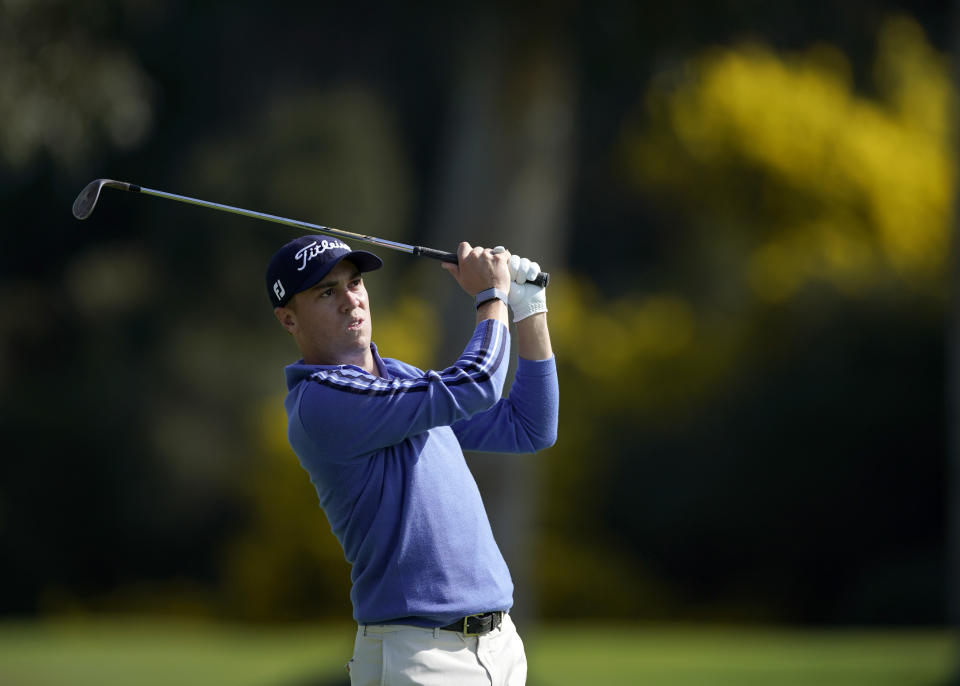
[489, 294]
[493, 309]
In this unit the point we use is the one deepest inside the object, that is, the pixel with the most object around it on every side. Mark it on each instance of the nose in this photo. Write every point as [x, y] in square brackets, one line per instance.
[351, 300]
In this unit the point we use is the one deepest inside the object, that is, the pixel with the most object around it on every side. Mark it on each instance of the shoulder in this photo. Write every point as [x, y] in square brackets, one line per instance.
[343, 378]
[328, 384]
[401, 369]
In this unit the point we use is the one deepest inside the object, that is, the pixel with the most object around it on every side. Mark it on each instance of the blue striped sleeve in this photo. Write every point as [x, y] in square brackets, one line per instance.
[347, 412]
[523, 422]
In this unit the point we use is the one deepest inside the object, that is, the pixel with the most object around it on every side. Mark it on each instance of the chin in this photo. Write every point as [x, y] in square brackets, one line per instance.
[361, 341]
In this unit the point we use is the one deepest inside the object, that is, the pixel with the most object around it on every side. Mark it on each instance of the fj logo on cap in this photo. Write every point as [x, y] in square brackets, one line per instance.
[308, 252]
[278, 290]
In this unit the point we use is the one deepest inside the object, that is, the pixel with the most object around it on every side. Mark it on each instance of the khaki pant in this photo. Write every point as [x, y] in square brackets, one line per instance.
[397, 655]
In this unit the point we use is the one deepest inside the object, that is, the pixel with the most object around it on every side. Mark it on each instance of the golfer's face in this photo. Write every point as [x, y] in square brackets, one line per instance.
[333, 317]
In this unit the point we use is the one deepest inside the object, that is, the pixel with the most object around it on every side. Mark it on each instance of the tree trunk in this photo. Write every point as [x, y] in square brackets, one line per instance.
[505, 179]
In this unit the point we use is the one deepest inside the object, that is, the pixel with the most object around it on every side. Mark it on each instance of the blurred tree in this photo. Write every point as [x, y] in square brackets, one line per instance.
[284, 564]
[806, 179]
[749, 343]
[66, 90]
[505, 179]
[332, 157]
[818, 223]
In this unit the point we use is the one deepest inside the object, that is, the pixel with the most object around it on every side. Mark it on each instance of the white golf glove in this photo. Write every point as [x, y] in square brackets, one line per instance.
[525, 298]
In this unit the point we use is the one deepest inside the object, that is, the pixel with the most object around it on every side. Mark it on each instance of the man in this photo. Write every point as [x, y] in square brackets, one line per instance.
[383, 443]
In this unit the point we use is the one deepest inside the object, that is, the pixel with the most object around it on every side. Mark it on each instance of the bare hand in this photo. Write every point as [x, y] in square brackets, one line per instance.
[479, 269]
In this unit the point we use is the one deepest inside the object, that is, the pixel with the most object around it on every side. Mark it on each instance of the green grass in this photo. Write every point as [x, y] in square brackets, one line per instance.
[700, 656]
[122, 651]
[155, 653]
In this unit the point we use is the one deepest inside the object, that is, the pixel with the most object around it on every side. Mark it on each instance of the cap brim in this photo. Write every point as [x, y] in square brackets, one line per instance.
[365, 261]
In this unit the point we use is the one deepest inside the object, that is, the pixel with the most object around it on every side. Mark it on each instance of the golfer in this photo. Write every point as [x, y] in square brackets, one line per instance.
[383, 444]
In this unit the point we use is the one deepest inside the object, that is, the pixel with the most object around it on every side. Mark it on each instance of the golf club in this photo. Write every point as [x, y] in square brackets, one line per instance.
[87, 200]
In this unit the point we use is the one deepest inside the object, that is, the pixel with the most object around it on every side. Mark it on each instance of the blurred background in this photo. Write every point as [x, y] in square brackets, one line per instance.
[746, 208]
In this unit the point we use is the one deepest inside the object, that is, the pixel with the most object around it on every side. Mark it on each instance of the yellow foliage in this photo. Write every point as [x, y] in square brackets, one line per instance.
[652, 345]
[286, 564]
[826, 251]
[914, 78]
[867, 184]
[407, 331]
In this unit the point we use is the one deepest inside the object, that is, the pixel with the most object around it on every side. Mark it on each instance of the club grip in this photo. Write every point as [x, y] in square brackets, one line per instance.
[542, 279]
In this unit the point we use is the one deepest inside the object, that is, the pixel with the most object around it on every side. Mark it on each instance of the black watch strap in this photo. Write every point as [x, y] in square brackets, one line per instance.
[490, 294]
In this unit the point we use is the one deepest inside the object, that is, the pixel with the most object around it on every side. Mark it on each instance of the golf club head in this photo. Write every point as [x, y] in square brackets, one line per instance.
[87, 200]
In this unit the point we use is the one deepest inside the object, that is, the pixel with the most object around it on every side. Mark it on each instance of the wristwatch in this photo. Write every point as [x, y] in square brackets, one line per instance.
[490, 294]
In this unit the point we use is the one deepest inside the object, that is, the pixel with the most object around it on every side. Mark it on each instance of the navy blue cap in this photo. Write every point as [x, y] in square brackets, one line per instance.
[302, 262]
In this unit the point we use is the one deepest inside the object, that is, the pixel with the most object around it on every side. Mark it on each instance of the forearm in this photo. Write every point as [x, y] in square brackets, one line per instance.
[523, 422]
[533, 338]
[493, 309]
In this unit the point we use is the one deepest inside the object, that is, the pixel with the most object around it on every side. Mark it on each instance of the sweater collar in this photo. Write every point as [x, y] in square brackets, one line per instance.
[299, 370]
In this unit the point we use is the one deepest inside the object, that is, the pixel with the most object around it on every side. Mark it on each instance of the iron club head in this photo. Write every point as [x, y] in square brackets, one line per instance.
[87, 200]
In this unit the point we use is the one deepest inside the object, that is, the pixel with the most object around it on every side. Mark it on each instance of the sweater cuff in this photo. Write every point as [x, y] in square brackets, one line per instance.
[537, 367]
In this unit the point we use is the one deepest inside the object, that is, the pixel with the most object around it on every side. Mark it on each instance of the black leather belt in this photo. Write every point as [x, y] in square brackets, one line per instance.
[476, 625]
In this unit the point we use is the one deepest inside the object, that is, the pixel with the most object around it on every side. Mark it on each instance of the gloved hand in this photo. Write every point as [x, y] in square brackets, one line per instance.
[525, 298]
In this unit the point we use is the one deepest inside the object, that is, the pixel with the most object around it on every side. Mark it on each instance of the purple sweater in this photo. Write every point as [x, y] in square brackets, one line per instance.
[385, 454]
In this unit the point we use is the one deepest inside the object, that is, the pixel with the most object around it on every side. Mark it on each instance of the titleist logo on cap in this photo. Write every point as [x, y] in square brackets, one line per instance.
[309, 252]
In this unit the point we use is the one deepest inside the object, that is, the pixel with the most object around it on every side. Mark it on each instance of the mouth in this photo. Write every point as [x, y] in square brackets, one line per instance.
[355, 324]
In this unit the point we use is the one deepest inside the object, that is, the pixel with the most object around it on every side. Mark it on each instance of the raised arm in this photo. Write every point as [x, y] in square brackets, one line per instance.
[395, 409]
[349, 412]
[526, 420]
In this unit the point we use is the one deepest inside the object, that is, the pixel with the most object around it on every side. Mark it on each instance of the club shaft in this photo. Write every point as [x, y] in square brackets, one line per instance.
[383, 242]
[87, 200]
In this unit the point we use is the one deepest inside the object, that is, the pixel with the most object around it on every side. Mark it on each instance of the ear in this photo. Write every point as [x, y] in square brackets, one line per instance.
[286, 317]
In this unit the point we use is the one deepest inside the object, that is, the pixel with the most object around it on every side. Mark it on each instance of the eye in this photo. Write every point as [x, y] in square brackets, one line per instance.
[326, 293]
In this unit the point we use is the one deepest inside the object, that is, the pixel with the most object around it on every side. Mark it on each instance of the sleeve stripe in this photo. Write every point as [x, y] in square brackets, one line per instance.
[478, 367]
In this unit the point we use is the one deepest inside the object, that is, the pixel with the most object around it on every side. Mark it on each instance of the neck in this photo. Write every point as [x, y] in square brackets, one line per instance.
[360, 358]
